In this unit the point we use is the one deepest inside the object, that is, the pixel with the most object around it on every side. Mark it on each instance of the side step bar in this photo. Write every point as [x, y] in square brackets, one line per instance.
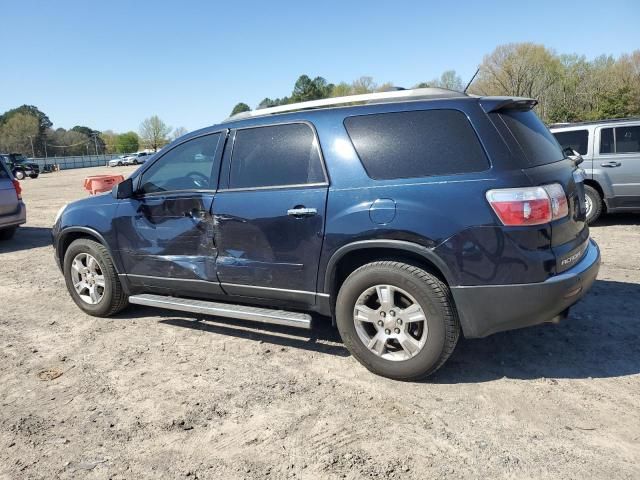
[242, 312]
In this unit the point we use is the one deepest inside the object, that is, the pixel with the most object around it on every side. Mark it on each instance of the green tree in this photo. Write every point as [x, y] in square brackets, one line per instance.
[18, 132]
[240, 107]
[127, 142]
[154, 132]
[43, 124]
[306, 89]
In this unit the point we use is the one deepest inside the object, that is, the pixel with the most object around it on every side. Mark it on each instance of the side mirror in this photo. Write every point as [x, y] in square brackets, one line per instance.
[573, 155]
[123, 190]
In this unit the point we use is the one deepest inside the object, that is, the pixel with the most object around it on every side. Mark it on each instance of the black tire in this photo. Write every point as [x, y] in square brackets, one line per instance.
[8, 233]
[596, 203]
[114, 298]
[35, 175]
[433, 296]
[19, 174]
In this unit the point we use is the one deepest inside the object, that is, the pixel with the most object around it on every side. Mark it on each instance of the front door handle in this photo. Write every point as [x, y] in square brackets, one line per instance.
[611, 164]
[300, 211]
[196, 214]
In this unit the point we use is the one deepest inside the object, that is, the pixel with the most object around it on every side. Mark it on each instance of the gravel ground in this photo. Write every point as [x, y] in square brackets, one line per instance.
[157, 394]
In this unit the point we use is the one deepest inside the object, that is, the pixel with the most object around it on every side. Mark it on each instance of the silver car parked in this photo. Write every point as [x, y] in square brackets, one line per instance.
[12, 210]
[611, 153]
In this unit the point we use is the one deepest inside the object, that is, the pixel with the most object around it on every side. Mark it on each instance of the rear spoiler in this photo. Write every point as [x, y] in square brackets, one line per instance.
[496, 104]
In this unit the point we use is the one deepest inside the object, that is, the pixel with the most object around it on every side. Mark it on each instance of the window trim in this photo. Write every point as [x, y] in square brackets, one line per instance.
[224, 133]
[228, 162]
[466, 115]
[615, 140]
[572, 130]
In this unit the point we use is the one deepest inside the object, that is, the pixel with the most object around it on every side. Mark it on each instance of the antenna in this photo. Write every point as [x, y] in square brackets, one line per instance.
[471, 81]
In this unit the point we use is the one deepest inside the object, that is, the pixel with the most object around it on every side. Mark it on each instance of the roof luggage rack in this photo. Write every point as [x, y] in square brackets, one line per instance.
[379, 97]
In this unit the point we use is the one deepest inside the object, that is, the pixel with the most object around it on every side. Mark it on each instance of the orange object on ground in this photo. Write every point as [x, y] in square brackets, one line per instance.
[101, 183]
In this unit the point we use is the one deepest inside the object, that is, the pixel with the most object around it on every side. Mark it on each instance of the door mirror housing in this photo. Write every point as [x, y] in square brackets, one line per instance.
[123, 190]
[573, 155]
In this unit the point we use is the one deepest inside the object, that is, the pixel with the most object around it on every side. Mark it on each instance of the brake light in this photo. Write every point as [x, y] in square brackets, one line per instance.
[529, 205]
[18, 188]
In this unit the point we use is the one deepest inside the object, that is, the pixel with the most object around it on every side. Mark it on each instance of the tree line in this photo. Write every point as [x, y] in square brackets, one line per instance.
[568, 87]
[28, 131]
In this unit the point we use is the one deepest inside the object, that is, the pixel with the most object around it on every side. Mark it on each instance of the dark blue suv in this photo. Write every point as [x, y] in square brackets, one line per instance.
[407, 217]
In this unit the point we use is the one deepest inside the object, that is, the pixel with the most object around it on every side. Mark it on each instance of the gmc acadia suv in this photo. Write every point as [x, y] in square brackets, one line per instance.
[407, 217]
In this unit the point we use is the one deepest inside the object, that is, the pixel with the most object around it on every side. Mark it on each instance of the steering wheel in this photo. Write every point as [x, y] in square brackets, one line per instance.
[200, 180]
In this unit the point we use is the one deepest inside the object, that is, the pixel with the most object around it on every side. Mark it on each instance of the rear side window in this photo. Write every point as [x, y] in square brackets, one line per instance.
[416, 144]
[275, 156]
[607, 145]
[4, 172]
[577, 140]
[620, 140]
[536, 141]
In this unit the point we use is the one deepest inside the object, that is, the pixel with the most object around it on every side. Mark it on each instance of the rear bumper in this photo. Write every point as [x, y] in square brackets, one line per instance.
[14, 219]
[484, 310]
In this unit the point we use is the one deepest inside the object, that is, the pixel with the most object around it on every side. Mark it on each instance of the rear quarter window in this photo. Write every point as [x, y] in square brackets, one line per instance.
[4, 171]
[416, 144]
[534, 138]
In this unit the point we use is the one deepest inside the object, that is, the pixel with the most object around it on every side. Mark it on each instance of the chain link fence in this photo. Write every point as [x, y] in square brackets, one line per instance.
[80, 161]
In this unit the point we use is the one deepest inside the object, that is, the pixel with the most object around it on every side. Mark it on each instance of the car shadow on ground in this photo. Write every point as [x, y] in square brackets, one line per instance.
[618, 219]
[27, 238]
[600, 339]
[322, 338]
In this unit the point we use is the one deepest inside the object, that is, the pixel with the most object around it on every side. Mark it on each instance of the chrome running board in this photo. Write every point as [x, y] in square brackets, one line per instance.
[242, 312]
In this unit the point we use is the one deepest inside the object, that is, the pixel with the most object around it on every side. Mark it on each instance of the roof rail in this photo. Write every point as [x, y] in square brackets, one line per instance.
[594, 122]
[379, 97]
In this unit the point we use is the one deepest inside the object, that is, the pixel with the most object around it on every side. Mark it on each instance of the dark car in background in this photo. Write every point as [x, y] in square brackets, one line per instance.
[408, 217]
[12, 210]
[20, 165]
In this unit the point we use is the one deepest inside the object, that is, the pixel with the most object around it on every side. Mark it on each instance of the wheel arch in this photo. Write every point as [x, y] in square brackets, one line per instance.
[353, 255]
[68, 235]
[598, 188]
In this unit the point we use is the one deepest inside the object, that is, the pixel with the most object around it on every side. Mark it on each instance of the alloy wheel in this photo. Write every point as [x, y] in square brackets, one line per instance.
[390, 322]
[88, 278]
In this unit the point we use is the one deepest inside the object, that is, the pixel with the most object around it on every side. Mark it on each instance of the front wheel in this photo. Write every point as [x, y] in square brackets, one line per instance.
[92, 280]
[396, 319]
[19, 175]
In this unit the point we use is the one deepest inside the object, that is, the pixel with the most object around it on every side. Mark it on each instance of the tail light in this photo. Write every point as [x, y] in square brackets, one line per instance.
[18, 188]
[529, 205]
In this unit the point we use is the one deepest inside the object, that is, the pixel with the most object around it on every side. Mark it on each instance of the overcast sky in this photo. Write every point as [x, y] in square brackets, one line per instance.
[110, 64]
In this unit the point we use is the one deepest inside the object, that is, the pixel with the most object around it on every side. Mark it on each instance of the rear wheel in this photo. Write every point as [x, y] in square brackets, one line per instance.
[593, 202]
[8, 233]
[92, 280]
[397, 320]
[35, 175]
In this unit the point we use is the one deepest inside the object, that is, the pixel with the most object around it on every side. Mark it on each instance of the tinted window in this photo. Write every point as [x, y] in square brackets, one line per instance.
[416, 144]
[606, 141]
[275, 156]
[188, 166]
[538, 144]
[574, 139]
[627, 139]
[4, 172]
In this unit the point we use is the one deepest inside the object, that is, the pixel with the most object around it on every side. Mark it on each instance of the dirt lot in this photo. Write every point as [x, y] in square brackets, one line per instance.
[155, 394]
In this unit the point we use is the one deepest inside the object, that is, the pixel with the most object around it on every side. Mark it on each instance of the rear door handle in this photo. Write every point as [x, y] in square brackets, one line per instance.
[611, 164]
[300, 212]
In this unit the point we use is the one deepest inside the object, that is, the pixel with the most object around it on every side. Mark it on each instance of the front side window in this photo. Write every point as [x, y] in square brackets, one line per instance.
[577, 140]
[189, 166]
[274, 156]
[416, 144]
